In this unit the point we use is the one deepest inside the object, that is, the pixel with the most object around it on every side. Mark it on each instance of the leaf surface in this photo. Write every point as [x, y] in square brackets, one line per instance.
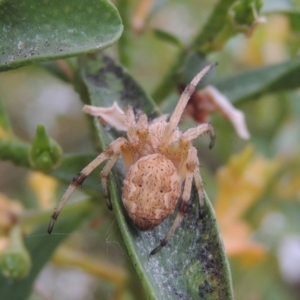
[193, 265]
[269, 79]
[34, 30]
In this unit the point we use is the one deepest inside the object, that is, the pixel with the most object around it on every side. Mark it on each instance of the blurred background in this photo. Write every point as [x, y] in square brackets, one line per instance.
[254, 184]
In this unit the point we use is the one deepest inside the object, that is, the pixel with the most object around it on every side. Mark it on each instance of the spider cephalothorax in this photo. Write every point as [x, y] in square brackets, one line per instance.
[159, 159]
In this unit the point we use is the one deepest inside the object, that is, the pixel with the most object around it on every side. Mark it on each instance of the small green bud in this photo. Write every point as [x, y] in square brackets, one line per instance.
[243, 15]
[45, 154]
[15, 261]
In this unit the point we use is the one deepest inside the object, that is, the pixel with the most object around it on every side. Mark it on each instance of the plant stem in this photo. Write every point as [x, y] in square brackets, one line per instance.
[37, 217]
[15, 151]
[204, 42]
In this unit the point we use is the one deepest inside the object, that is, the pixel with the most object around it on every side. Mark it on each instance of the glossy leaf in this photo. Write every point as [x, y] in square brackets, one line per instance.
[254, 83]
[193, 265]
[33, 30]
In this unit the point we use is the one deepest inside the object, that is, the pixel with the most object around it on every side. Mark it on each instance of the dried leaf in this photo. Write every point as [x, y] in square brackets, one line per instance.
[208, 100]
[113, 116]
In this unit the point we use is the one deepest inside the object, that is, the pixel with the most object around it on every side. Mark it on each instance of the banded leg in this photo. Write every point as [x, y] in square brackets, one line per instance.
[113, 149]
[104, 174]
[200, 190]
[198, 181]
[185, 97]
[193, 133]
[192, 171]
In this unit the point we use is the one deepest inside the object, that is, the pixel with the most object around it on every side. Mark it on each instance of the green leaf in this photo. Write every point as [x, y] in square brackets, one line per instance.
[41, 247]
[208, 39]
[254, 83]
[5, 127]
[193, 63]
[35, 30]
[193, 265]
[205, 41]
[125, 42]
[294, 18]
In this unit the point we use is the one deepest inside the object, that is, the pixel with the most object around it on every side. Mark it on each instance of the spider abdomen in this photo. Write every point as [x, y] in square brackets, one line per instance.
[167, 158]
[151, 190]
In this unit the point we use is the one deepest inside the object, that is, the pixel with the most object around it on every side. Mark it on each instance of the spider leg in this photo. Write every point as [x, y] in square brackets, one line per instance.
[160, 118]
[200, 189]
[142, 127]
[193, 133]
[183, 207]
[104, 174]
[143, 121]
[112, 150]
[130, 119]
[187, 93]
[137, 131]
[197, 179]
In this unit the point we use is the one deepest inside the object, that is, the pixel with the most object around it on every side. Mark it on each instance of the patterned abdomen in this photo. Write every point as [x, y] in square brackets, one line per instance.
[151, 190]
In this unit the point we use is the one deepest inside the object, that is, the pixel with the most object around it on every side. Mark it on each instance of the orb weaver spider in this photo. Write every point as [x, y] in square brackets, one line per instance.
[159, 159]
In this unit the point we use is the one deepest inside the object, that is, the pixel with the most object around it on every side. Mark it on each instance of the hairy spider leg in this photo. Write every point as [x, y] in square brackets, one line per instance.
[114, 149]
[103, 176]
[138, 135]
[200, 189]
[142, 127]
[187, 93]
[184, 205]
[193, 133]
[130, 119]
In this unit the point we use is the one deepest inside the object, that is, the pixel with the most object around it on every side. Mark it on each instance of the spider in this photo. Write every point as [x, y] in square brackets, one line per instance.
[159, 160]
